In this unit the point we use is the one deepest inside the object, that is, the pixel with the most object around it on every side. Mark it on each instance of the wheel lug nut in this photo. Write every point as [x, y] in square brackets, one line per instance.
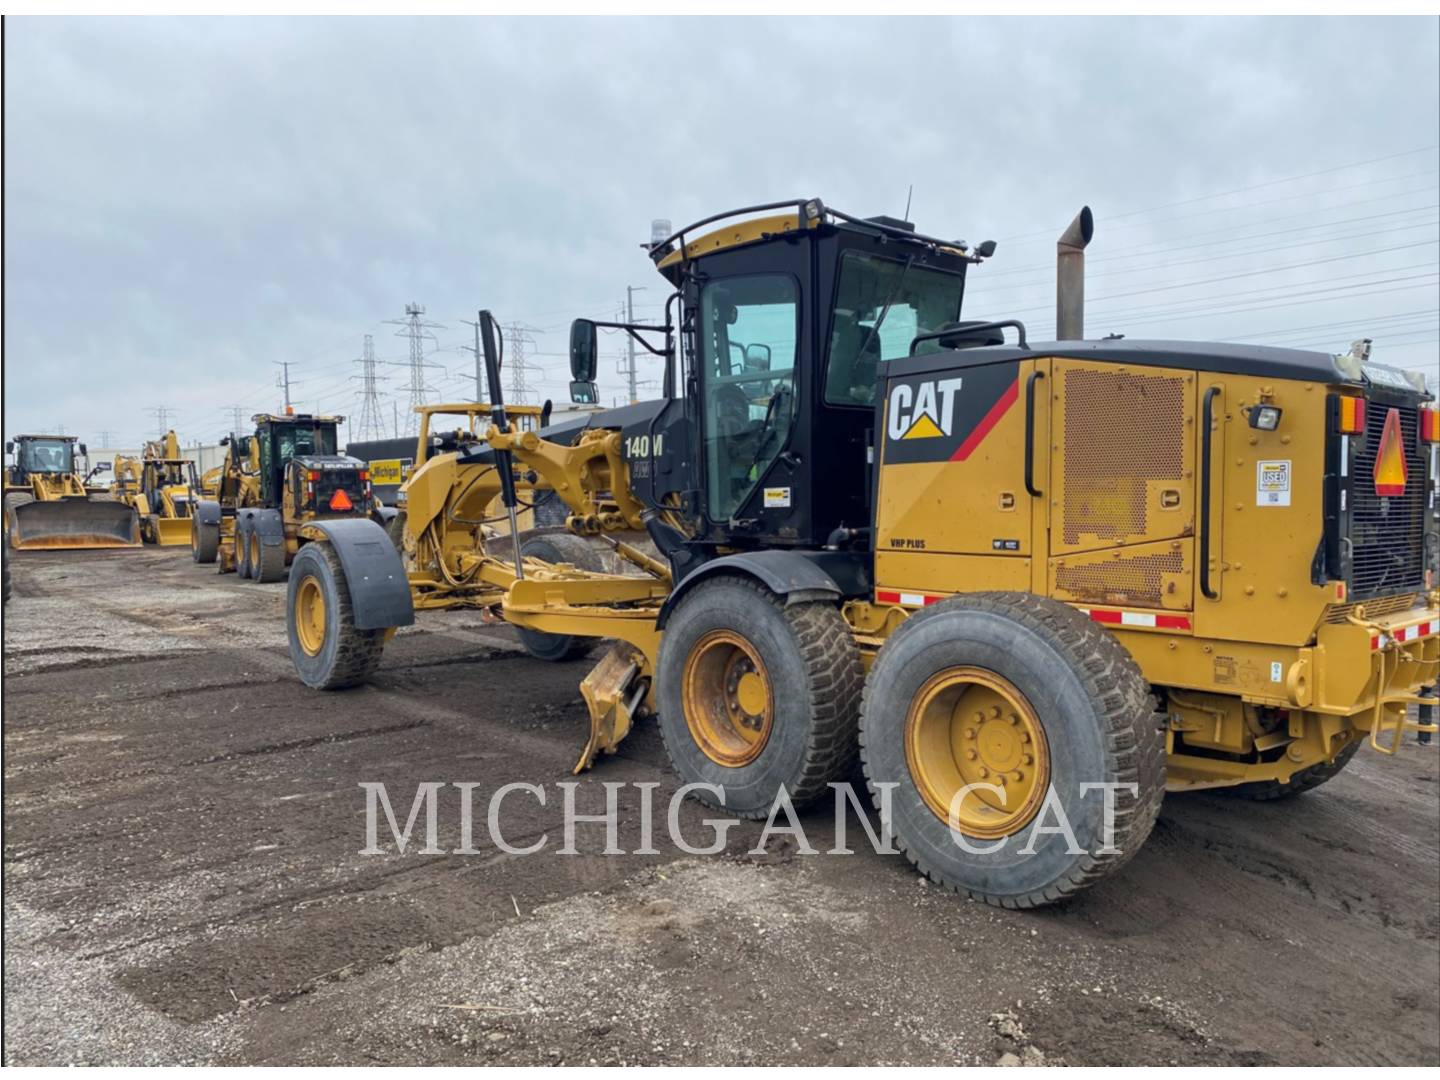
[1026, 759]
[995, 711]
[1024, 736]
[969, 733]
[1017, 775]
[1014, 719]
[984, 771]
[970, 754]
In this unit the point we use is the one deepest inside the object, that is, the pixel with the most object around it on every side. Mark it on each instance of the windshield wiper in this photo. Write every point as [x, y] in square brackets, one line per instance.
[889, 300]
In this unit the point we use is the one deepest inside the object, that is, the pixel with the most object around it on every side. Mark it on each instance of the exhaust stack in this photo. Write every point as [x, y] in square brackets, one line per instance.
[1070, 277]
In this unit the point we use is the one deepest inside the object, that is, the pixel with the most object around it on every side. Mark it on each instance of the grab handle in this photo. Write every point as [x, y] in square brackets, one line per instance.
[1205, 441]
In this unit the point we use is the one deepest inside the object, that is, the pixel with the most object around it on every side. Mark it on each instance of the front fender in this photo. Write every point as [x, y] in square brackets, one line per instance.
[374, 574]
[269, 525]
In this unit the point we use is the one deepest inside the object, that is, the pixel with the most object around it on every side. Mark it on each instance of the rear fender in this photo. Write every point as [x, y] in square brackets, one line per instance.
[379, 587]
[794, 576]
[207, 512]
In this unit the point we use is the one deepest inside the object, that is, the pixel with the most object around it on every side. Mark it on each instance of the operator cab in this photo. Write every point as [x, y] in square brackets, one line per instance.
[784, 323]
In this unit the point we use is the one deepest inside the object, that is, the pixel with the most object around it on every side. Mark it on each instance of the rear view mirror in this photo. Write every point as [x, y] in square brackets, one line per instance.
[584, 392]
[583, 350]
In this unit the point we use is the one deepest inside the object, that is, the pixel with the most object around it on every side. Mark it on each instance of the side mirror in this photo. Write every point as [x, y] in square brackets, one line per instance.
[757, 357]
[986, 249]
[583, 352]
[10, 446]
[83, 451]
[584, 392]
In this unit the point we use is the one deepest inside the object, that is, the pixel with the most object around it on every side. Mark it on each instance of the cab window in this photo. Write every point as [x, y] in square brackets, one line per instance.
[747, 370]
[881, 306]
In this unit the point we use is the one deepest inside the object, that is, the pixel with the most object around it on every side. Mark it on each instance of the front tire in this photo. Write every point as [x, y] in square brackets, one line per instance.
[328, 651]
[204, 540]
[556, 548]
[988, 713]
[756, 695]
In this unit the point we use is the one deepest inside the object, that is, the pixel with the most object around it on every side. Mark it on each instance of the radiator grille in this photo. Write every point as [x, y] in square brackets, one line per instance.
[1121, 431]
[1134, 580]
[1387, 533]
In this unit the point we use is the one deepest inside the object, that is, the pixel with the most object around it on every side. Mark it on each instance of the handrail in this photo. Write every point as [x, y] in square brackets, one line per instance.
[1205, 442]
[1035, 376]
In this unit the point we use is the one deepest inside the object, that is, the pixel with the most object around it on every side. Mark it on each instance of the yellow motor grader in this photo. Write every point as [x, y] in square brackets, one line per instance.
[286, 474]
[1032, 585]
[48, 506]
[163, 487]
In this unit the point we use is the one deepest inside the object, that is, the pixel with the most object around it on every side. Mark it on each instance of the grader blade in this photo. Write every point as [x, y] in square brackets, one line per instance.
[73, 523]
[615, 693]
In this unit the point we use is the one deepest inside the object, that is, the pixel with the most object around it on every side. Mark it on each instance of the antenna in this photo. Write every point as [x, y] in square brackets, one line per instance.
[908, 195]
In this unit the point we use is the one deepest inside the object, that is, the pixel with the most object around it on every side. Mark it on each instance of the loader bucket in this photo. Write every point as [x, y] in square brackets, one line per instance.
[73, 523]
[173, 532]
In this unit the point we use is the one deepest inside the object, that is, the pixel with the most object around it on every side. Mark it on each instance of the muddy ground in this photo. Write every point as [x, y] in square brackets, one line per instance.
[183, 883]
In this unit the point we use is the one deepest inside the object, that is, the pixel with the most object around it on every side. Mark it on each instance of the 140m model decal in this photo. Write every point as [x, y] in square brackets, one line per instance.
[945, 417]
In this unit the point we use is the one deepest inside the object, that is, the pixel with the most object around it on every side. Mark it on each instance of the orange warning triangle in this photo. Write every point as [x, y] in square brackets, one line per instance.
[923, 428]
[341, 501]
[1390, 471]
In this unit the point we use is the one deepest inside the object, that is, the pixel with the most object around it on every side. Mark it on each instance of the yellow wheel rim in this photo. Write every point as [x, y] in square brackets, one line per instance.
[255, 551]
[968, 726]
[729, 702]
[310, 616]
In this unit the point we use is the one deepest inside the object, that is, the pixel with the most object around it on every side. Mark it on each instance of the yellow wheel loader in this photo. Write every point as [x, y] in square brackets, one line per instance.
[47, 505]
[1031, 585]
[273, 483]
[163, 487]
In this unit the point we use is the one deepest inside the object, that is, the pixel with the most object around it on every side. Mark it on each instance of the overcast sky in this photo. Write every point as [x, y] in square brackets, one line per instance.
[188, 202]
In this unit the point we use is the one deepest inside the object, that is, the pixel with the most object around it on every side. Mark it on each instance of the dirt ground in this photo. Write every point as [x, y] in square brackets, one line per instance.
[183, 883]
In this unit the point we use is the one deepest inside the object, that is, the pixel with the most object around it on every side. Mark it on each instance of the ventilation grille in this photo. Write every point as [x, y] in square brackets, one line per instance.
[1374, 609]
[1387, 532]
[1121, 430]
[1136, 580]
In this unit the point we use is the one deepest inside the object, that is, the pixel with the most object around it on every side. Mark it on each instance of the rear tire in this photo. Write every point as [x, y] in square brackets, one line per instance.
[1033, 693]
[242, 549]
[1306, 779]
[395, 530]
[782, 685]
[328, 651]
[272, 563]
[150, 529]
[204, 540]
[558, 548]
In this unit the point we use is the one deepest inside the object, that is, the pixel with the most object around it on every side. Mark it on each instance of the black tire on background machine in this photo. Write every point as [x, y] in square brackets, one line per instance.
[241, 547]
[558, 547]
[1096, 715]
[204, 540]
[813, 669]
[272, 563]
[1307, 779]
[348, 655]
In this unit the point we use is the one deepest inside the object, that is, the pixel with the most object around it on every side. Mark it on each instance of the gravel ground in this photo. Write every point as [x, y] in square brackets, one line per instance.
[183, 882]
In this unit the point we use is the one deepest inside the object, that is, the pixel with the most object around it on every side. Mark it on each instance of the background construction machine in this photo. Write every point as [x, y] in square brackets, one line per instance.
[286, 474]
[1030, 585]
[47, 504]
[162, 486]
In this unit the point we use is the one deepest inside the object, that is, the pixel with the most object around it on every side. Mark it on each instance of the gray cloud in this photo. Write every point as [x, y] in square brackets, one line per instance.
[188, 201]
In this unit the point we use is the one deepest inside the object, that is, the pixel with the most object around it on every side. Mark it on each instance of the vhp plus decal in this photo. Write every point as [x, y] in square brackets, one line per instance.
[944, 417]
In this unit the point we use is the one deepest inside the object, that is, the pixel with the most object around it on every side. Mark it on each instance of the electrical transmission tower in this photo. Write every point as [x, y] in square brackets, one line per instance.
[162, 417]
[370, 425]
[418, 329]
[105, 437]
[518, 345]
[236, 424]
[284, 381]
